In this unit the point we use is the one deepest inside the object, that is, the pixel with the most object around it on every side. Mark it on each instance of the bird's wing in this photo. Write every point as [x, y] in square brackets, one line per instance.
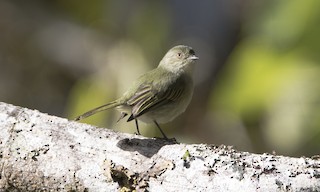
[147, 98]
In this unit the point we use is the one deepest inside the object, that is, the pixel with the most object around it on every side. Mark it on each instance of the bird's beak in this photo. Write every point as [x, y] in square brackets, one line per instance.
[193, 57]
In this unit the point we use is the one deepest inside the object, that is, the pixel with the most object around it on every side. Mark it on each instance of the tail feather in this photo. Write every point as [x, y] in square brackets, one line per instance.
[98, 109]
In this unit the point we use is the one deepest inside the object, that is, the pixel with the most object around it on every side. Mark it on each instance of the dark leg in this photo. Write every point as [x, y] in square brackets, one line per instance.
[164, 135]
[137, 126]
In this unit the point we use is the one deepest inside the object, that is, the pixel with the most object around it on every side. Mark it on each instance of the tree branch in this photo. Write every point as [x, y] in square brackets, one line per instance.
[39, 152]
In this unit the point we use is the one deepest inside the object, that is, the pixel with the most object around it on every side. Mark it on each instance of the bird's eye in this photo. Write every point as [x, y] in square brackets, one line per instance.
[179, 54]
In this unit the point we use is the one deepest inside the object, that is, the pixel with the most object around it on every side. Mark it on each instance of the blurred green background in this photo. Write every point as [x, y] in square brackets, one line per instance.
[257, 80]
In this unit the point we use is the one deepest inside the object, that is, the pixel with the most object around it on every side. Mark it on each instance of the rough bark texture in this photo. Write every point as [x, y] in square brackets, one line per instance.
[39, 152]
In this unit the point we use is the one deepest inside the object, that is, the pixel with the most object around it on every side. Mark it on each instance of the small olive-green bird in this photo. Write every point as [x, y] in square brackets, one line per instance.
[159, 95]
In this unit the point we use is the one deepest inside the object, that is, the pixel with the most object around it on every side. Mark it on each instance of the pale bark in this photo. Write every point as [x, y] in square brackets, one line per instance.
[39, 152]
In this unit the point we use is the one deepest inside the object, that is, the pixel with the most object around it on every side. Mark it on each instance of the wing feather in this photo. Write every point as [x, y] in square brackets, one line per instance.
[146, 98]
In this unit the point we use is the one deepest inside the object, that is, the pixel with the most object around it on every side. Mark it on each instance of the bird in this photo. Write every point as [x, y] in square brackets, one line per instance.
[159, 95]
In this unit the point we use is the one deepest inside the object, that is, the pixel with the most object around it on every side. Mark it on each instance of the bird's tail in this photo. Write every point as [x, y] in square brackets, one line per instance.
[110, 105]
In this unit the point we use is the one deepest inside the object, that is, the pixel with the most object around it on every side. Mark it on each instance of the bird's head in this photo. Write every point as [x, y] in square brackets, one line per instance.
[178, 59]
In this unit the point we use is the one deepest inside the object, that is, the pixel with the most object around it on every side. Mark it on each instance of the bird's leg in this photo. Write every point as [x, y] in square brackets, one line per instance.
[137, 126]
[164, 135]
